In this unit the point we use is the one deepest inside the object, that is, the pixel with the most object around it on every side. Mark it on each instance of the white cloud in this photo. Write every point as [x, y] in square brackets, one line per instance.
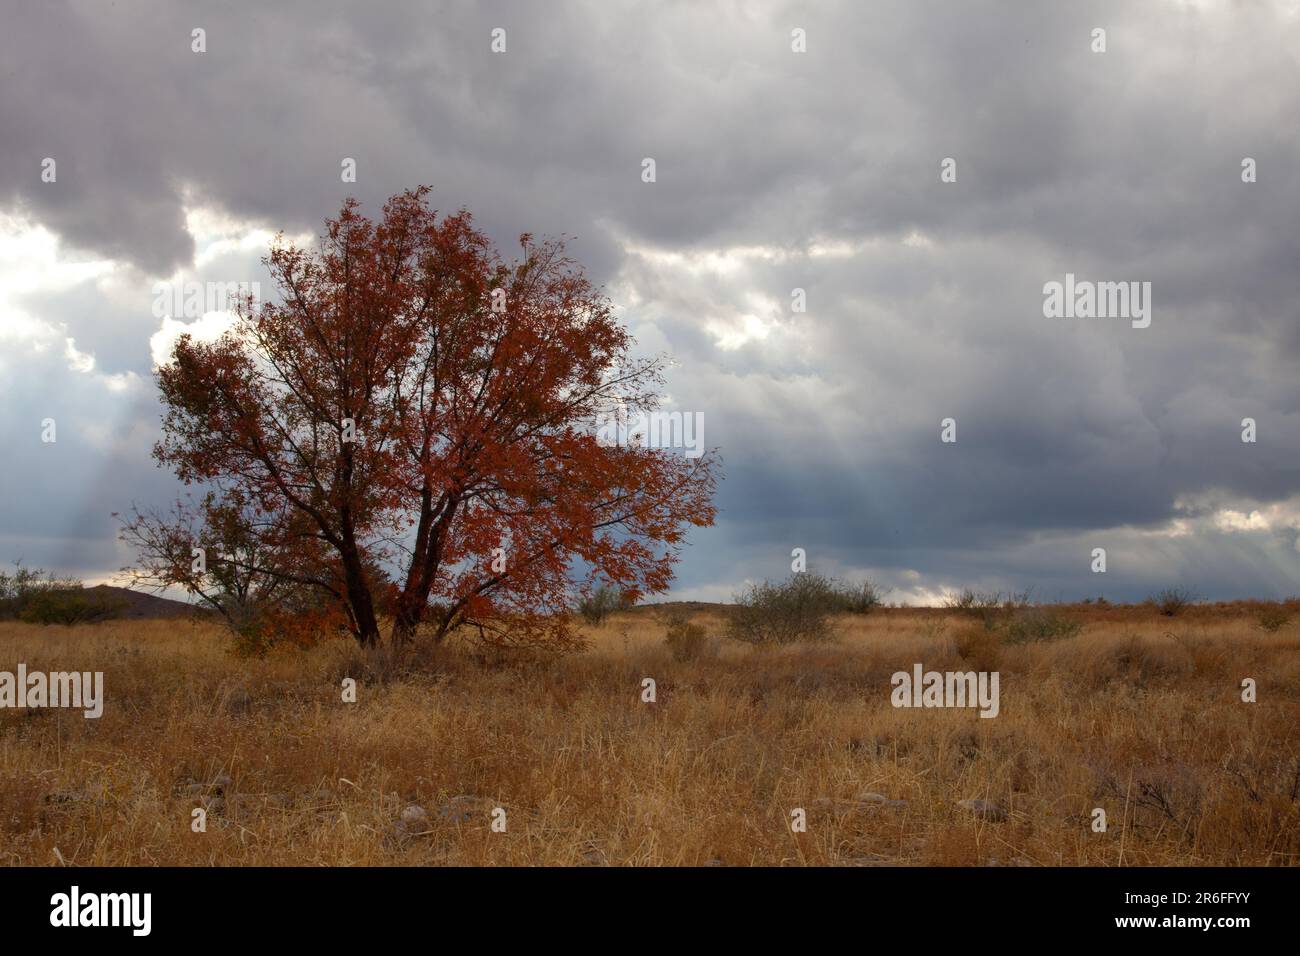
[32, 260]
[1228, 520]
[207, 328]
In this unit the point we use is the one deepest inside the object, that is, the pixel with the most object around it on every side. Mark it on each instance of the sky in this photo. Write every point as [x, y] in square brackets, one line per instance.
[921, 171]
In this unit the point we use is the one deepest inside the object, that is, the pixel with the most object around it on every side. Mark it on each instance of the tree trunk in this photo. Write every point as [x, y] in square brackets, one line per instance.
[363, 610]
[406, 623]
[425, 560]
[359, 598]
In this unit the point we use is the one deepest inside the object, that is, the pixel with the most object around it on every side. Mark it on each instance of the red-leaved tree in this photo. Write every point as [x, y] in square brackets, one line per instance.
[410, 429]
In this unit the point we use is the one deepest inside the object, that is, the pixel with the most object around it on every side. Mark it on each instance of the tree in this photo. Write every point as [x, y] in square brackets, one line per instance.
[414, 425]
[263, 572]
[41, 597]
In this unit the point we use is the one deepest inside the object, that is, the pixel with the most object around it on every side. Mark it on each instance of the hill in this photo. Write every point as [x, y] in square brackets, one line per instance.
[139, 606]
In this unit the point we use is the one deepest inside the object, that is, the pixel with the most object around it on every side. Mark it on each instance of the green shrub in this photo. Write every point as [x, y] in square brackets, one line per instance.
[861, 598]
[39, 597]
[797, 609]
[602, 602]
[78, 606]
[1034, 624]
[18, 588]
[1273, 618]
[991, 608]
[1171, 601]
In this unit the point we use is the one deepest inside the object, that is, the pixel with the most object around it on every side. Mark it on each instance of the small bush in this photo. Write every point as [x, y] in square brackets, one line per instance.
[602, 602]
[862, 598]
[1273, 618]
[252, 639]
[1035, 624]
[686, 641]
[797, 609]
[39, 597]
[69, 607]
[18, 589]
[988, 607]
[1171, 601]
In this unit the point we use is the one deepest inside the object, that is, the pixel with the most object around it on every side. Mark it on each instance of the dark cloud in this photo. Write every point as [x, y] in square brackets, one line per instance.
[774, 171]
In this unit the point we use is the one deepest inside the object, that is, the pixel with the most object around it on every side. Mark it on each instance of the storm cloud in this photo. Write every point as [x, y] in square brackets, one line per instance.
[775, 171]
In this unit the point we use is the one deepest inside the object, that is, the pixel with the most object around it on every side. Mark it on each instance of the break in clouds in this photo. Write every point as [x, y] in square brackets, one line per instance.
[922, 282]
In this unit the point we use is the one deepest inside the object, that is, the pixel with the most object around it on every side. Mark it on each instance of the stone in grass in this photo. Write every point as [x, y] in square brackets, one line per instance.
[985, 809]
[881, 800]
[219, 785]
[70, 799]
[465, 807]
[866, 801]
[592, 853]
[64, 796]
[413, 822]
[414, 817]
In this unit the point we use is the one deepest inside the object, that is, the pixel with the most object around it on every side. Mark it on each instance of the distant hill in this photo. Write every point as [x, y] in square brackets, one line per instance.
[691, 607]
[138, 605]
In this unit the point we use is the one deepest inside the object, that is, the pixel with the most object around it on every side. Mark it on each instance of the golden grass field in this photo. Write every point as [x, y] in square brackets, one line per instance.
[1139, 714]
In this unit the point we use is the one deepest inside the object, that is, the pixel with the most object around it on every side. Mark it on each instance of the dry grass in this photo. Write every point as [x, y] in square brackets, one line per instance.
[1139, 715]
